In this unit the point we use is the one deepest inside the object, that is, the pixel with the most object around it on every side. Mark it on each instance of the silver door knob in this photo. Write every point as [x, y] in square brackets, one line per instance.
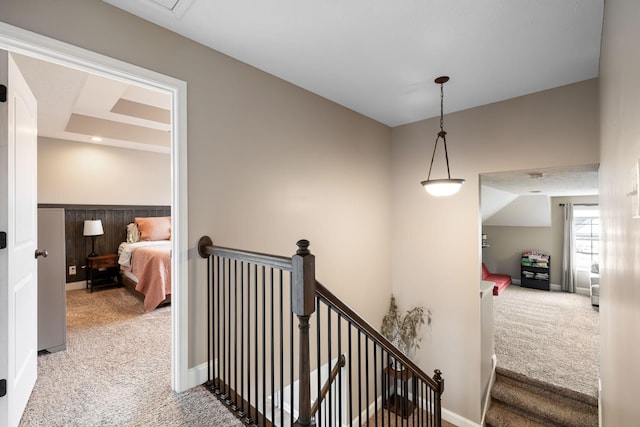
[42, 253]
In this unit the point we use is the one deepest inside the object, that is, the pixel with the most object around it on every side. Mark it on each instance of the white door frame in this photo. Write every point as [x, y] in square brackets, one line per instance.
[18, 40]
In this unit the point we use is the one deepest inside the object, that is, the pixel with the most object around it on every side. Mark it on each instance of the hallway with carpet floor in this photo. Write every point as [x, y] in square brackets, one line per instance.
[116, 370]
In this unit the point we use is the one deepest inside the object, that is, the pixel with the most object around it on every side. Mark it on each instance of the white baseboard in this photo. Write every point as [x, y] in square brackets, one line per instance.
[197, 375]
[516, 281]
[457, 420]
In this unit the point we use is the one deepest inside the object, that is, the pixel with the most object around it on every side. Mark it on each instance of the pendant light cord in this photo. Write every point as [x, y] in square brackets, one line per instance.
[441, 107]
[442, 134]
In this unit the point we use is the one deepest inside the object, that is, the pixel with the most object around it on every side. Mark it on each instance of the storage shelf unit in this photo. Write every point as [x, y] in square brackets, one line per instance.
[535, 270]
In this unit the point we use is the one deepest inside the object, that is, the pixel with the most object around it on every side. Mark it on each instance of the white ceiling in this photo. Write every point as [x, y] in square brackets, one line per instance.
[522, 198]
[554, 182]
[380, 57]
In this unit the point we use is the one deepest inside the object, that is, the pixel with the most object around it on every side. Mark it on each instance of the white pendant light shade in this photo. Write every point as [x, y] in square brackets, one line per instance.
[442, 187]
[448, 186]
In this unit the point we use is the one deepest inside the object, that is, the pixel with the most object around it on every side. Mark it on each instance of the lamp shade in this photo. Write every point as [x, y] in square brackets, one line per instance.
[442, 187]
[92, 227]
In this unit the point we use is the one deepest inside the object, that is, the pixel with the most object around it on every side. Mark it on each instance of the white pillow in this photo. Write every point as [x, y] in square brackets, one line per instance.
[133, 234]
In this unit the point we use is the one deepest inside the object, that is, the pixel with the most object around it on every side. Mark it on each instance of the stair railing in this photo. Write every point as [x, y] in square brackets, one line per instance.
[347, 372]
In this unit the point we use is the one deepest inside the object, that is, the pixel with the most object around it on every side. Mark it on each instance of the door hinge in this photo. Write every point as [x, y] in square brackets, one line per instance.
[3, 239]
[3, 388]
[3, 93]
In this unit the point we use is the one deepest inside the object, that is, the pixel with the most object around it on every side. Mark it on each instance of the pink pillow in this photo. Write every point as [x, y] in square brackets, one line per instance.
[154, 228]
[485, 271]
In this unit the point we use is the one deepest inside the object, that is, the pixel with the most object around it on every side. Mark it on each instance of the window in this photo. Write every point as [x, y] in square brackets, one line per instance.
[586, 223]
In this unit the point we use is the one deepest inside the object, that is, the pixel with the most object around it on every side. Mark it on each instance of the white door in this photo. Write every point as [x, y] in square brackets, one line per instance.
[18, 275]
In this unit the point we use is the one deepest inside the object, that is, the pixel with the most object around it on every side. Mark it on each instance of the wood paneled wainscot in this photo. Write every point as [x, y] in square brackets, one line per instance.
[114, 223]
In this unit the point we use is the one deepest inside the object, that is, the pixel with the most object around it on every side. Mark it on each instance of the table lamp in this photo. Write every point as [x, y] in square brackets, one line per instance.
[93, 228]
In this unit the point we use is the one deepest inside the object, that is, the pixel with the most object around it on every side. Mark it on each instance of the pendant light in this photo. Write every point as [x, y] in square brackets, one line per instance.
[449, 186]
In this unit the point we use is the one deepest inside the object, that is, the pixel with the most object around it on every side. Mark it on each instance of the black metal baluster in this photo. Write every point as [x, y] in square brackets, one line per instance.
[209, 325]
[375, 382]
[264, 346]
[319, 365]
[242, 412]
[227, 381]
[235, 405]
[273, 350]
[351, 364]
[255, 335]
[359, 377]
[423, 404]
[429, 414]
[396, 400]
[434, 417]
[418, 395]
[291, 357]
[340, 371]
[223, 378]
[366, 373]
[248, 418]
[388, 393]
[329, 366]
[281, 394]
[218, 358]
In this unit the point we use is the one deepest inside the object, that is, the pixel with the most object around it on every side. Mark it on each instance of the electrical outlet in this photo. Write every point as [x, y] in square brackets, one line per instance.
[72, 270]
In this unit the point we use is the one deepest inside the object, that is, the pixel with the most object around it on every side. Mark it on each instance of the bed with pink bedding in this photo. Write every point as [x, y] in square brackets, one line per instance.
[145, 260]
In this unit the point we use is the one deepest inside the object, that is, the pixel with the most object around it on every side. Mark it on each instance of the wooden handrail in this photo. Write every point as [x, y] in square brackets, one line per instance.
[325, 388]
[437, 383]
[206, 249]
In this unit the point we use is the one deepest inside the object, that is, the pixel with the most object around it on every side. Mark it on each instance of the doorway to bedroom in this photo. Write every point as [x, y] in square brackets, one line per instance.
[97, 161]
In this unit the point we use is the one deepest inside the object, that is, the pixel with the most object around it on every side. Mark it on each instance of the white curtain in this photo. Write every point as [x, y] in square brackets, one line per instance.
[568, 264]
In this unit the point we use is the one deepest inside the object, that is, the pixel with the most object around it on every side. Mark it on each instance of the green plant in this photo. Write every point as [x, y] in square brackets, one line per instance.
[405, 328]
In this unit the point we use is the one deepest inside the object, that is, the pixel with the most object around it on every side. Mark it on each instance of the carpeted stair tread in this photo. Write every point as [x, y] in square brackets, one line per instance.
[516, 397]
[502, 415]
[537, 385]
[545, 406]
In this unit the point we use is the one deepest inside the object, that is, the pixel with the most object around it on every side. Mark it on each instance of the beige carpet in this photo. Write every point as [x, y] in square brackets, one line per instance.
[116, 370]
[549, 336]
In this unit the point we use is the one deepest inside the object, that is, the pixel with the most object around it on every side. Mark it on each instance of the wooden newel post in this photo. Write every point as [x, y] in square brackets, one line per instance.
[438, 403]
[303, 289]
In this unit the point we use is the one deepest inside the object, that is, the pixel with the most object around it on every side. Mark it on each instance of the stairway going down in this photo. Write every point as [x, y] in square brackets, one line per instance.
[525, 402]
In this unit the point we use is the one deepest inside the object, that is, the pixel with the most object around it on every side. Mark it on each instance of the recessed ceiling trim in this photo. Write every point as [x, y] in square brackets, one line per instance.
[142, 111]
[87, 125]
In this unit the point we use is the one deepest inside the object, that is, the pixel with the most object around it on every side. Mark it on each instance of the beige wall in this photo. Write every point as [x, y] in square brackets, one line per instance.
[77, 173]
[268, 162]
[507, 243]
[620, 274]
[436, 242]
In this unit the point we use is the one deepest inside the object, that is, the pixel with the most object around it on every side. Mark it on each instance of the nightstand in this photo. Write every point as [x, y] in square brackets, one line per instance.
[102, 270]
